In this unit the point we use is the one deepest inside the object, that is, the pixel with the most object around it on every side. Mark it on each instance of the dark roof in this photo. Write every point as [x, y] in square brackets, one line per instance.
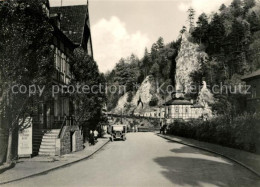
[72, 21]
[252, 75]
[178, 101]
[197, 106]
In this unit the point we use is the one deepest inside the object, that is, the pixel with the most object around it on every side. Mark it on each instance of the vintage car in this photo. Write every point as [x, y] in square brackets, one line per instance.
[118, 132]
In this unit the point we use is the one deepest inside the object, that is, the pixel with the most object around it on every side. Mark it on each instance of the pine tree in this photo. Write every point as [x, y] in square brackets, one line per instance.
[191, 17]
[160, 43]
[222, 7]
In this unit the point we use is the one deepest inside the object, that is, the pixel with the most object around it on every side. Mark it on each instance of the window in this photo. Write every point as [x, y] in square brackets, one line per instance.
[177, 109]
[186, 110]
[254, 91]
[68, 68]
[58, 59]
[63, 61]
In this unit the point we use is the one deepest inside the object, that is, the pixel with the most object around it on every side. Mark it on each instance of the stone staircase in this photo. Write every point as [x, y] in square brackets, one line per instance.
[44, 142]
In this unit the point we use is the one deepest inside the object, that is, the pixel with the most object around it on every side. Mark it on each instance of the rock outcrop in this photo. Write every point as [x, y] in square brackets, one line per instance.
[141, 99]
[187, 61]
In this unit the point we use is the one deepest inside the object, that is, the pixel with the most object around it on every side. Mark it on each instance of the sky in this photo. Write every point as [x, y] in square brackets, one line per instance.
[122, 27]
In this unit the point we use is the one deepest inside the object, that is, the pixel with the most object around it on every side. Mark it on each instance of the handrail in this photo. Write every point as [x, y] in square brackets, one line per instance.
[65, 118]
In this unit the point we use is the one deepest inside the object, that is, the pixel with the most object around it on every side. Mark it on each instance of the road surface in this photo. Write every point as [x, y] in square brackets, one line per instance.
[145, 159]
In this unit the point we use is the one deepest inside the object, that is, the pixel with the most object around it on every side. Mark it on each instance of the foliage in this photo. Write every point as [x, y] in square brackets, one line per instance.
[26, 58]
[88, 105]
[130, 72]
[241, 133]
[191, 17]
[231, 39]
[154, 101]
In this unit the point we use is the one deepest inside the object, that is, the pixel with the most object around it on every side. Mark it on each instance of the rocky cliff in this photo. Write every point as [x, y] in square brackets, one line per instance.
[141, 98]
[187, 61]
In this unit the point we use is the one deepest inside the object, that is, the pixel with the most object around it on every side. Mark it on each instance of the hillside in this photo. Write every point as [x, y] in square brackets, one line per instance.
[219, 49]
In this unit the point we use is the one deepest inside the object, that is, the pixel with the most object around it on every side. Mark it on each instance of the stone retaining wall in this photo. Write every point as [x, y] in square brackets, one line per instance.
[70, 136]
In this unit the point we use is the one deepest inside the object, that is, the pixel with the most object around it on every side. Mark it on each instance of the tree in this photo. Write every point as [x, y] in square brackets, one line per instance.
[183, 30]
[88, 104]
[155, 70]
[26, 58]
[216, 34]
[248, 4]
[154, 52]
[254, 21]
[160, 43]
[191, 17]
[254, 52]
[201, 31]
[146, 63]
[237, 8]
[222, 7]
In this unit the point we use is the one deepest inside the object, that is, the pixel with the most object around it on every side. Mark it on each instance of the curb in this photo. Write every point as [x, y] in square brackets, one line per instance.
[214, 152]
[6, 167]
[56, 168]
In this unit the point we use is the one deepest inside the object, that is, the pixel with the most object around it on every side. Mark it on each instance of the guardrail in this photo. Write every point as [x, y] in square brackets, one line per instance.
[132, 116]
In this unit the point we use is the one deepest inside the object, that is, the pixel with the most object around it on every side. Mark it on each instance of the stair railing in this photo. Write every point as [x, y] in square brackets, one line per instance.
[63, 124]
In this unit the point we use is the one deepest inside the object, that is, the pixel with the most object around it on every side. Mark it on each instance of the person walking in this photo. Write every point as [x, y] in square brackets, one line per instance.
[95, 134]
[91, 138]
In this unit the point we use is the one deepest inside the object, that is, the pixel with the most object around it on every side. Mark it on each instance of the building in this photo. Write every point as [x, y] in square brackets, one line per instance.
[180, 108]
[253, 96]
[151, 113]
[75, 25]
[54, 130]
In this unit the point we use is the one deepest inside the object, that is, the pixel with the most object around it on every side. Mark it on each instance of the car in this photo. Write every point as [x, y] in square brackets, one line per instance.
[118, 132]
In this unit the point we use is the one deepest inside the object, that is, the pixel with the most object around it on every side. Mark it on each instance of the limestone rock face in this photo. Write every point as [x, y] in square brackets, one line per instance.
[188, 61]
[204, 99]
[121, 104]
[145, 93]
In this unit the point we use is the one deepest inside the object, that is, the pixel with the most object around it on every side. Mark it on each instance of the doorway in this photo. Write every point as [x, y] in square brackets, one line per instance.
[72, 142]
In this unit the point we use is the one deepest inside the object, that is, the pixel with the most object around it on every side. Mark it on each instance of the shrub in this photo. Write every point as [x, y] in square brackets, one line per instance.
[242, 132]
[154, 101]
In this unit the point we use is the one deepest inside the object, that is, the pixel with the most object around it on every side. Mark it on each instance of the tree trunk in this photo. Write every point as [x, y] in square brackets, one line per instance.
[9, 156]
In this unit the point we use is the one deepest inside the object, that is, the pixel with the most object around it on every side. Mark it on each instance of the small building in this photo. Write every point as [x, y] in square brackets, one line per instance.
[161, 112]
[180, 108]
[253, 96]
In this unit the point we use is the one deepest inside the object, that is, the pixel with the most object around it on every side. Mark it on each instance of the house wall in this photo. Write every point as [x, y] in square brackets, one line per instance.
[183, 112]
[253, 98]
[64, 144]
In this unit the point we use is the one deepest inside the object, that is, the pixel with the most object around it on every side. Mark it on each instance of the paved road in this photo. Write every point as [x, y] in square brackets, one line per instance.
[147, 160]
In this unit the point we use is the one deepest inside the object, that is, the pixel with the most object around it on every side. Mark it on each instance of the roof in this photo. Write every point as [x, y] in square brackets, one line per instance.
[197, 106]
[72, 21]
[252, 75]
[178, 101]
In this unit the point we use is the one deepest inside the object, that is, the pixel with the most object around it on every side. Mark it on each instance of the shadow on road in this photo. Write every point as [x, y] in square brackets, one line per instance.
[183, 170]
[186, 149]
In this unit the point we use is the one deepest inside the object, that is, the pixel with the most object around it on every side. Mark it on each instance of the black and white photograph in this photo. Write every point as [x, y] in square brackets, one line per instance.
[130, 93]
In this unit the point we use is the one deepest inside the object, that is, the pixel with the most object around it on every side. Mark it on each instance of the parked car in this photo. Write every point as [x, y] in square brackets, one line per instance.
[118, 132]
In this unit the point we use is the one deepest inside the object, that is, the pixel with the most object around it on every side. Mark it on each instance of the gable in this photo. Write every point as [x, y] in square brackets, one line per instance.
[72, 21]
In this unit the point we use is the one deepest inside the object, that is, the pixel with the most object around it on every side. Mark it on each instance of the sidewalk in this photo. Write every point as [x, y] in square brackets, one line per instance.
[248, 160]
[40, 165]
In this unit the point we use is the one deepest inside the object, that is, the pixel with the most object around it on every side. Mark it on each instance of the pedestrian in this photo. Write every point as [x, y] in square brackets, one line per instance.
[95, 134]
[91, 138]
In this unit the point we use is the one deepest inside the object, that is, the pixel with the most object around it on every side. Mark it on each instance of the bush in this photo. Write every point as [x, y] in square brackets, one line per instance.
[242, 132]
[154, 101]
